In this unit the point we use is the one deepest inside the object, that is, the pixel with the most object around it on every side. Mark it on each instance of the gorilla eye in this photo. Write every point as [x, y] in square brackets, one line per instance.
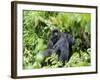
[55, 34]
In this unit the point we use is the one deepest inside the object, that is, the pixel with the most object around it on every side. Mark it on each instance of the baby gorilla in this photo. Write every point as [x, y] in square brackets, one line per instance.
[60, 43]
[54, 38]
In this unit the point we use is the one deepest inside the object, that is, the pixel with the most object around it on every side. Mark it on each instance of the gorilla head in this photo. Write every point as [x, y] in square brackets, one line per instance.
[54, 32]
[70, 38]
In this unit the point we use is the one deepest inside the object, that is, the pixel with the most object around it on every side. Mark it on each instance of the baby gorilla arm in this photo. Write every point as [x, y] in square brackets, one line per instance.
[47, 52]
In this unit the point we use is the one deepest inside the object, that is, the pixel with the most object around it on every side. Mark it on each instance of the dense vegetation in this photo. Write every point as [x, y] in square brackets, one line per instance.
[37, 27]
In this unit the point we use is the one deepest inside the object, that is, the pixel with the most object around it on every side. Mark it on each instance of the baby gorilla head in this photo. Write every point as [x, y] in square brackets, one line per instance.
[54, 32]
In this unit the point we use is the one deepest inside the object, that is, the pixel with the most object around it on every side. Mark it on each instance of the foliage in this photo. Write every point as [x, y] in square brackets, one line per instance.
[37, 27]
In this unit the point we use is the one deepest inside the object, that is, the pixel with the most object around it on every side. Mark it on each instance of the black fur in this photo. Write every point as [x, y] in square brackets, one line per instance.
[61, 44]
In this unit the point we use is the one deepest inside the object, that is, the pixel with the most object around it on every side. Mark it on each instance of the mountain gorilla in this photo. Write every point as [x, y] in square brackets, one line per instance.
[61, 44]
[54, 38]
